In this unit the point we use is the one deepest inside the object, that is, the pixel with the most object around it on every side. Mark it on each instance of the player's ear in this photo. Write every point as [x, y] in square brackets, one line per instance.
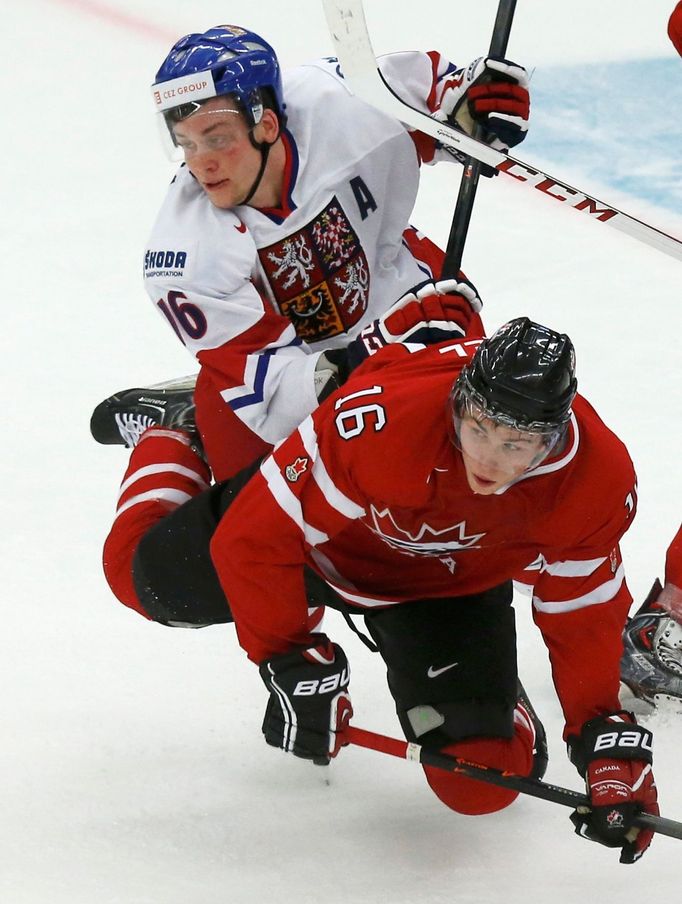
[268, 128]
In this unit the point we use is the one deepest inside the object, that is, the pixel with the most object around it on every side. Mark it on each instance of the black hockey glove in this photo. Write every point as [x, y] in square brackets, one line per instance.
[614, 756]
[309, 705]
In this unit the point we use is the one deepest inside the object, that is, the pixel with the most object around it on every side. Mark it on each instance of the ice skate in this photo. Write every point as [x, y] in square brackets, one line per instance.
[651, 667]
[123, 417]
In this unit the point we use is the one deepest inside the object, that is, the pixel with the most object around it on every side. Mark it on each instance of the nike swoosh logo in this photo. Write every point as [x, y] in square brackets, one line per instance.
[434, 673]
[240, 228]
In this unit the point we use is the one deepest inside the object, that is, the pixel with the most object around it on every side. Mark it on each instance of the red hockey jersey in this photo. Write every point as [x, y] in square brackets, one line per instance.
[371, 493]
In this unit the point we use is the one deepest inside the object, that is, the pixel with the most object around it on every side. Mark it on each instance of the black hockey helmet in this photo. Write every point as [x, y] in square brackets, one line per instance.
[523, 376]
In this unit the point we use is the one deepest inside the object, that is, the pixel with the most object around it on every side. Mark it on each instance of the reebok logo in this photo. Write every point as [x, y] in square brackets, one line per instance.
[434, 673]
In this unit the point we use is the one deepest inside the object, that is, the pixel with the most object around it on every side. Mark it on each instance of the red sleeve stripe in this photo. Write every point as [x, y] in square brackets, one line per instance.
[289, 503]
[604, 593]
[162, 468]
[435, 58]
[332, 494]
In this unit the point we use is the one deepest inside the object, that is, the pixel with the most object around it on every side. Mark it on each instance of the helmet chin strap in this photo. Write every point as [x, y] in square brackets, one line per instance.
[264, 148]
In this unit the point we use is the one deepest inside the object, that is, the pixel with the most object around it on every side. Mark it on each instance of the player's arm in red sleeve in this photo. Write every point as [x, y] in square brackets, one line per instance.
[580, 598]
[260, 547]
[581, 606]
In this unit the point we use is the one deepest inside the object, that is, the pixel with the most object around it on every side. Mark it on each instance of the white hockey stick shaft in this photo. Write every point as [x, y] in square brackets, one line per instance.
[346, 20]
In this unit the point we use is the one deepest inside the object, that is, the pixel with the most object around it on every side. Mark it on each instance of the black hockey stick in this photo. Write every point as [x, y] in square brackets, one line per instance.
[415, 753]
[348, 29]
[472, 168]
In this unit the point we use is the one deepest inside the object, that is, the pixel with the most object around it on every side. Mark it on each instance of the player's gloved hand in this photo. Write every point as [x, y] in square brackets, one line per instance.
[493, 93]
[432, 312]
[309, 704]
[614, 755]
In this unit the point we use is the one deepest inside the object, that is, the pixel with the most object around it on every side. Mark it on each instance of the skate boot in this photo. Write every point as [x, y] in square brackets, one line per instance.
[123, 417]
[540, 752]
[651, 667]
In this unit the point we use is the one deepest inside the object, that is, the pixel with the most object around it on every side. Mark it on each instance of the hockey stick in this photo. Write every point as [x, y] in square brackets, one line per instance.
[415, 753]
[348, 29]
[472, 168]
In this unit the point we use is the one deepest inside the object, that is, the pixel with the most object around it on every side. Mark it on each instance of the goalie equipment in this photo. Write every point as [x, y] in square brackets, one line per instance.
[123, 417]
[651, 667]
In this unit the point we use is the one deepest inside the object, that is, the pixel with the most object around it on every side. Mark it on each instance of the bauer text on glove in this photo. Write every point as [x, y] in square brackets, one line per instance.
[614, 755]
[309, 705]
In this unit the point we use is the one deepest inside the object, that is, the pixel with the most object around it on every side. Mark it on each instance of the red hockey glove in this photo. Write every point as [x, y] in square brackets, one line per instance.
[614, 755]
[493, 93]
[309, 705]
[432, 312]
[675, 27]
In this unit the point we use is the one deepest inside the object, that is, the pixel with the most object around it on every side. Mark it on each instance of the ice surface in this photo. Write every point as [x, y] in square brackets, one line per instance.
[132, 761]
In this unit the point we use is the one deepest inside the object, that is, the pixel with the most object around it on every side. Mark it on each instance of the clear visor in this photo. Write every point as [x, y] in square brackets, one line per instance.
[477, 430]
[192, 129]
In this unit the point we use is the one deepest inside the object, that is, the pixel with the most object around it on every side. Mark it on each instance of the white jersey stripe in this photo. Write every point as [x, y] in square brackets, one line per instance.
[290, 723]
[175, 496]
[569, 568]
[288, 502]
[165, 467]
[336, 499]
[601, 594]
[364, 600]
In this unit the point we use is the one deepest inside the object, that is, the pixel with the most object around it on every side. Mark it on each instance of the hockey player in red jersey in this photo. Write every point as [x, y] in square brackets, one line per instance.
[418, 500]
[675, 27]
[156, 556]
[286, 231]
[652, 660]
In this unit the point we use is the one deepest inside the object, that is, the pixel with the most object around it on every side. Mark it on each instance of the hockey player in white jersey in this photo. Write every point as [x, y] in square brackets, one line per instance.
[285, 232]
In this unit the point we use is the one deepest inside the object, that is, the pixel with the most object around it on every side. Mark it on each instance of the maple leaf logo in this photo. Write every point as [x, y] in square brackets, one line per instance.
[293, 471]
[427, 541]
[615, 819]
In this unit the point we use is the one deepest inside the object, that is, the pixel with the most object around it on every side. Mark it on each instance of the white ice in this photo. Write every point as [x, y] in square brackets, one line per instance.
[132, 763]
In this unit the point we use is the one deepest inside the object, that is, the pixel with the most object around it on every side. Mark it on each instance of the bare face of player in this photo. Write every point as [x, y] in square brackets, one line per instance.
[217, 149]
[494, 454]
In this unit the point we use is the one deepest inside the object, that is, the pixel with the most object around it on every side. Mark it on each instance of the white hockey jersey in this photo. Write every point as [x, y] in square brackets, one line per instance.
[257, 294]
